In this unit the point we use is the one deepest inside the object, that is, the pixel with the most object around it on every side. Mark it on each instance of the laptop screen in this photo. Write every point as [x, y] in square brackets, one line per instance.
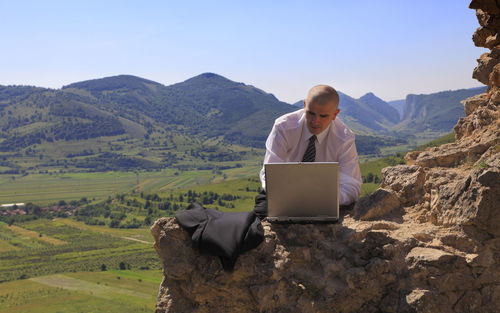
[302, 189]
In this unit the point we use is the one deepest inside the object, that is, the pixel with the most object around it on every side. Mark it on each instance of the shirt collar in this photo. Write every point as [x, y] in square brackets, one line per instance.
[306, 134]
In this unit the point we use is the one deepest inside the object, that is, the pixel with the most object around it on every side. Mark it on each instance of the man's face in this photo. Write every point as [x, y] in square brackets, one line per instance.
[319, 116]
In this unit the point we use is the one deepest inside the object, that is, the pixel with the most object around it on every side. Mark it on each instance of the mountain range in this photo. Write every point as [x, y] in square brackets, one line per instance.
[436, 112]
[207, 105]
[130, 119]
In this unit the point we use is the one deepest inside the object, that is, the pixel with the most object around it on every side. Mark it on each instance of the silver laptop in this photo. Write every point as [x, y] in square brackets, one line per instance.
[302, 192]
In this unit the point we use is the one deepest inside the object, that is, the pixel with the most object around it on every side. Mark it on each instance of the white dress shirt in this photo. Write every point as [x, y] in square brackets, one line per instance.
[288, 141]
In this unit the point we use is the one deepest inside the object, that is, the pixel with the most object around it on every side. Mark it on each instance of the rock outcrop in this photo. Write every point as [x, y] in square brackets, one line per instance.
[427, 241]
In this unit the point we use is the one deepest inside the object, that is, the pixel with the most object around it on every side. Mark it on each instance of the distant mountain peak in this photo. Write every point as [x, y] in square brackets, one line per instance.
[380, 106]
[208, 76]
[112, 82]
[369, 95]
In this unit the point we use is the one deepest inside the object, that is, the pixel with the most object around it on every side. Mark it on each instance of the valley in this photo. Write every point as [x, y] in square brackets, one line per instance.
[101, 255]
[93, 164]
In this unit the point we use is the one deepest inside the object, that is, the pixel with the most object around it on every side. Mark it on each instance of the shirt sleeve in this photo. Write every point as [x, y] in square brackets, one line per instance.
[276, 151]
[349, 174]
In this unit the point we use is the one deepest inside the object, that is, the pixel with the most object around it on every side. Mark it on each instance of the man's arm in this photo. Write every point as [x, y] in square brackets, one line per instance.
[349, 174]
[276, 151]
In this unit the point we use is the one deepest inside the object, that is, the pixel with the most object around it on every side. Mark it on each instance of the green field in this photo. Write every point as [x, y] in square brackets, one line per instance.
[450, 137]
[62, 265]
[50, 188]
[105, 291]
[374, 168]
[6, 246]
[84, 249]
[135, 234]
[44, 189]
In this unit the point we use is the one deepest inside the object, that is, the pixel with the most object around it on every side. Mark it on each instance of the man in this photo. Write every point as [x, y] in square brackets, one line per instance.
[227, 234]
[290, 141]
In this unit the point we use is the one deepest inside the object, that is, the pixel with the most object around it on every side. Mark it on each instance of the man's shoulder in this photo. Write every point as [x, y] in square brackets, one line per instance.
[341, 131]
[289, 120]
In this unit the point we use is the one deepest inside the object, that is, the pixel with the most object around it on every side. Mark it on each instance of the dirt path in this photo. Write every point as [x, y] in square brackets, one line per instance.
[138, 240]
[98, 290]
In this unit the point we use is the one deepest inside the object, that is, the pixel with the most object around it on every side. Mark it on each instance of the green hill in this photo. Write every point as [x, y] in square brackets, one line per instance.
[126, 123]
[211, 106]
[204, 106]
[208, 121]
[437, 112]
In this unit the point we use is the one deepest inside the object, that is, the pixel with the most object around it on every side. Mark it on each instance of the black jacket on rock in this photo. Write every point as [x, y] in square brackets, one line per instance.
[227, 234]
[224, 234]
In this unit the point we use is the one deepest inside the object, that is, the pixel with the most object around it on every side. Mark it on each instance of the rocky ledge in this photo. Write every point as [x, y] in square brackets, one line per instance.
[380, 257]
[427, 241]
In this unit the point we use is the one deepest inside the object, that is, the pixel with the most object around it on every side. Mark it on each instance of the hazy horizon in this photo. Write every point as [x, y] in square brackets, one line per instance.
[391, 49]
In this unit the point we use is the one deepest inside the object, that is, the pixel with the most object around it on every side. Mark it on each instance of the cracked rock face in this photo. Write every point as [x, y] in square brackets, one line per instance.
[427, 241]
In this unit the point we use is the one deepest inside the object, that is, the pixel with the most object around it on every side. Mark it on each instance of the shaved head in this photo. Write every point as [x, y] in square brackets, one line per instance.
[321, 108]
[321, 95]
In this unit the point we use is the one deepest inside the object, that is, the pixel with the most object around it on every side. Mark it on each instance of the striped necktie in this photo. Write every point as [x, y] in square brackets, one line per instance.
[310, 154]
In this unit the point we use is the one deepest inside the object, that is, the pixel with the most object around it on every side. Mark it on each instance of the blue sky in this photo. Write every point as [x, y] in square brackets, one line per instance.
[388, 47]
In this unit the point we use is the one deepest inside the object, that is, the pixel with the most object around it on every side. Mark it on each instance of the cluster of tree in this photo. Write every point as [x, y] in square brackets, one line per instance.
[152, 206]
[164, 206]
[104, 214]
[219, 155]
[370, 178]
[16, 141]
[209, 197]
[169, 159]
[133, 223]
[216, 168]
[17, 92]
[69, 108]
[205, 197]
[14, 170]
[93, 211]
[85, 129]
[14, 121]
[109, 161]
[64, 130]
[82, 153]
[370, 145]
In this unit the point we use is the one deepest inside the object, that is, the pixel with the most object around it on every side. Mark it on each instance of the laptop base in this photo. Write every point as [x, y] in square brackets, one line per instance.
[302, 219]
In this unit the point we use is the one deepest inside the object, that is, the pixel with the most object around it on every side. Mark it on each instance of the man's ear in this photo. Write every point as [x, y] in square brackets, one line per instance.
[304, 101]
[335, 114]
